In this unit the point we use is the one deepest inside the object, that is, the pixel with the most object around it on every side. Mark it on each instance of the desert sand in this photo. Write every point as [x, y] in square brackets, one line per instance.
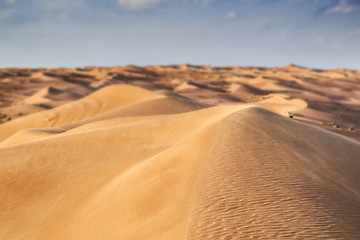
[179, 152]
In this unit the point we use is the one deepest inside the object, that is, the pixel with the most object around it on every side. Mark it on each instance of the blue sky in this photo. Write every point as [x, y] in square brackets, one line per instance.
[74, 33]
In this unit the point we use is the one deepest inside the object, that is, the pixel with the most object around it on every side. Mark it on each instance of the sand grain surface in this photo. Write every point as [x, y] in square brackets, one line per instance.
[123, 162]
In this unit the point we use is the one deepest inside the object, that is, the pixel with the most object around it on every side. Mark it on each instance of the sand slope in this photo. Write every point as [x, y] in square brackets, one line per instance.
[329, 99]
[126, 163]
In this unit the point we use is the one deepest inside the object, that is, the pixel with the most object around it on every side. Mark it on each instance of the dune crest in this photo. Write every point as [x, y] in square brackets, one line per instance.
[331, 96]
[128, 163]
[102, 101]
[47, 94]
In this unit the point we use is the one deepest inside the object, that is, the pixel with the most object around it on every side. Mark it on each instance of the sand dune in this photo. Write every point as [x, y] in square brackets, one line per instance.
[331, 96]
[127, 163]
[102, 101]
[50, 94]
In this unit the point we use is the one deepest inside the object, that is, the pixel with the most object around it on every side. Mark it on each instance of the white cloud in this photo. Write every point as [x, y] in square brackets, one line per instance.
[10, 1]
[138, 4]
[231, 14]
[59, 5]
[344, 7]
[6, 13]
[355, 32]
[204, 1]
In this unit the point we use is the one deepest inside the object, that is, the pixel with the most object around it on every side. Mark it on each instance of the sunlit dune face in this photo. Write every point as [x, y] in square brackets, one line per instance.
[321, 97]
[179, 152]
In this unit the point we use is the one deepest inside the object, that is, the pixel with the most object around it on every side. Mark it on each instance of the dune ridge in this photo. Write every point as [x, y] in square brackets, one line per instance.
[101, 101]
[128, 163]
[329, 98]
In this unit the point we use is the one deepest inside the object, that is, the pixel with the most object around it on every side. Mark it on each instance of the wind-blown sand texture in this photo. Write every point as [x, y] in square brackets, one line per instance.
[129, 163]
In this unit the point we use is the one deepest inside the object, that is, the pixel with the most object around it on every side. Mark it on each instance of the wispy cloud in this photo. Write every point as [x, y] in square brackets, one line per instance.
[138, 4]
[204, 1]
[4, 14]
[58, 5]
[231, 14]
[10, 1]
[217, 1]
[355, 32]
[345, 6]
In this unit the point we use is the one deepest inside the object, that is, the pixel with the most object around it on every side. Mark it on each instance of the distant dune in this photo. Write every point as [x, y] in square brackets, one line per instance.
[326, 98]
[85, 158]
